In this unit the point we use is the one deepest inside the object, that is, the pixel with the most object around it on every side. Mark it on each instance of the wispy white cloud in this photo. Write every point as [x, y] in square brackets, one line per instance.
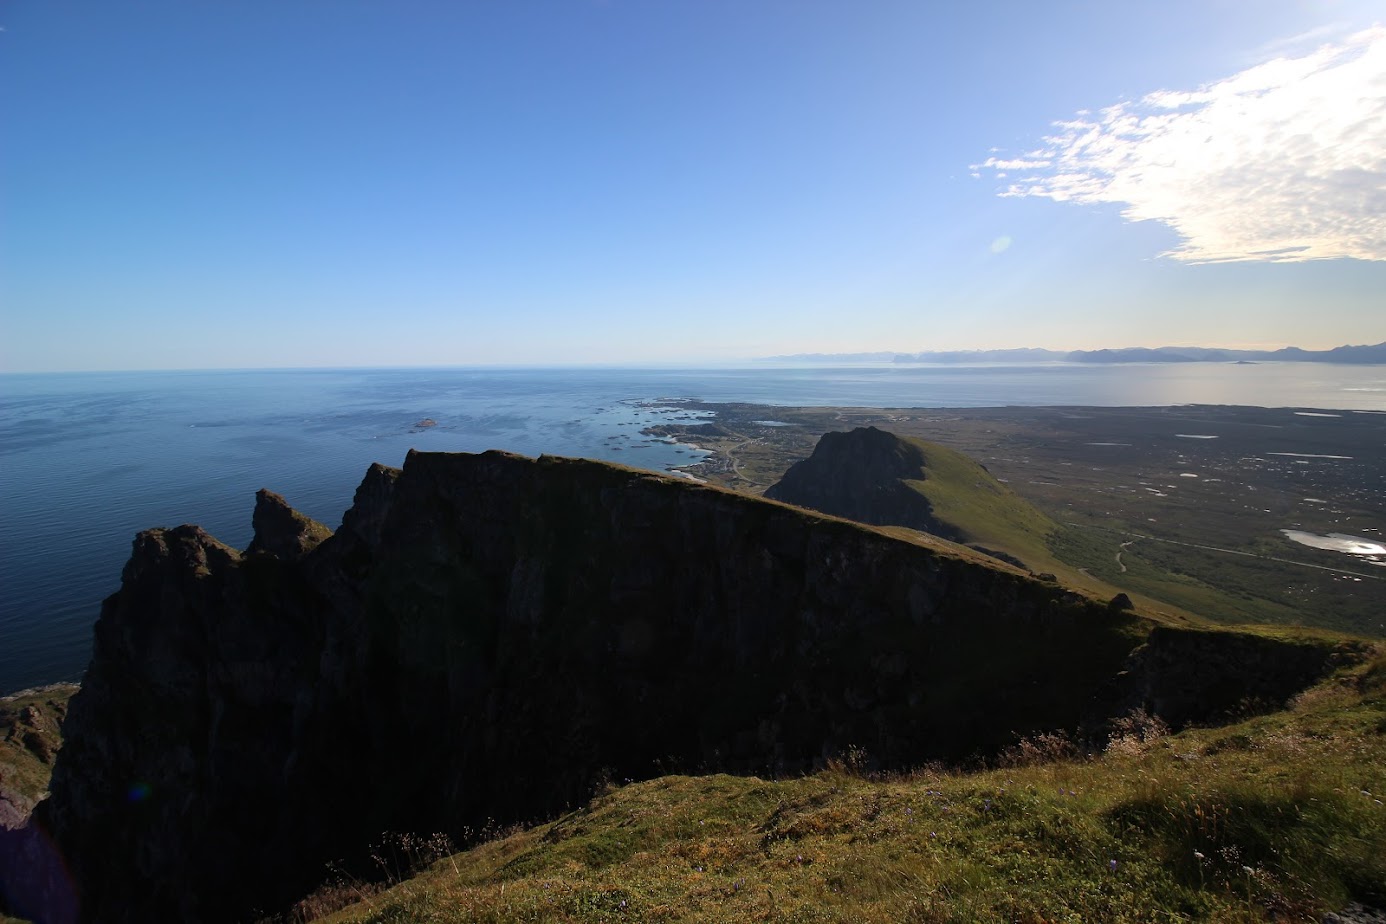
[1021, 163]
[1282, 162]
[1303, 42]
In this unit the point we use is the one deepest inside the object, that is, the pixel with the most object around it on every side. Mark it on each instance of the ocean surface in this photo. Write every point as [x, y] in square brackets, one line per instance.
[87, 460]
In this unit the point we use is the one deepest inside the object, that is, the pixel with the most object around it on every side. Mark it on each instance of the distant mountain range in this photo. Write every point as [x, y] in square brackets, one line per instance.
[1359, 355]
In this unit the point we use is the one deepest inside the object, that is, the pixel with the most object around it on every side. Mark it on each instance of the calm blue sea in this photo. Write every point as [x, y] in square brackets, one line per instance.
[87, 460]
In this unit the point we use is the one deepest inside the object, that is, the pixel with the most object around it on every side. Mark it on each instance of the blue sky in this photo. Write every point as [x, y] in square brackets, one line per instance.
[192, 184]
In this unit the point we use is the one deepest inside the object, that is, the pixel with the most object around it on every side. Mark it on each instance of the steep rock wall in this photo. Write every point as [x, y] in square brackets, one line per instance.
[487, 635]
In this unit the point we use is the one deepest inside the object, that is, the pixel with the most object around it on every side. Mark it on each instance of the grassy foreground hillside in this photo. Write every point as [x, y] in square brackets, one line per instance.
[1279, 817]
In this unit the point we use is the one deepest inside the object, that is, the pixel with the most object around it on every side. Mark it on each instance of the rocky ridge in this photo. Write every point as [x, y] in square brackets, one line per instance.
[486, 636]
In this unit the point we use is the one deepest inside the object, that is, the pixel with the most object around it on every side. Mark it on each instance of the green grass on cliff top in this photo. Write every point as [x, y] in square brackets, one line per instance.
[962, 493]
[1279, 817]
[30, 736]
[967, 496]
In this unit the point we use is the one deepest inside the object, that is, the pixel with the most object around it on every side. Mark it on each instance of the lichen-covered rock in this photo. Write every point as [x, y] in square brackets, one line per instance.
[281, 531]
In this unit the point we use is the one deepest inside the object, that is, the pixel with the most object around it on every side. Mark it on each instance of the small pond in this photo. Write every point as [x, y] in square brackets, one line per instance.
[1372, 551]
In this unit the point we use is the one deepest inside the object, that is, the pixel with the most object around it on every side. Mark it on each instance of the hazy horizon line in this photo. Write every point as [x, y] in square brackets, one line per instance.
[635, 364]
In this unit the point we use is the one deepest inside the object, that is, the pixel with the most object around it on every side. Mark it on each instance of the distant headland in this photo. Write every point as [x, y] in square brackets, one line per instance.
[1356, 355]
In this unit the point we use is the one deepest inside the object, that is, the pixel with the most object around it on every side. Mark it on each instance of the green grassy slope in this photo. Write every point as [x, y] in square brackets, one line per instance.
[29, 739]
[1178, 575]
[1276, 818]
[965, 495]
[964, 502]
[990, 515]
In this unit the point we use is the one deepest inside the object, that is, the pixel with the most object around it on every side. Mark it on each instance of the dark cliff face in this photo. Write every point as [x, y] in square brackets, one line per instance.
[861, 475]
[1203, 675]
[485, 636]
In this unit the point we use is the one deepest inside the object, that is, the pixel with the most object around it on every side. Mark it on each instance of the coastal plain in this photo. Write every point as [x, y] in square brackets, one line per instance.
[1186, 505]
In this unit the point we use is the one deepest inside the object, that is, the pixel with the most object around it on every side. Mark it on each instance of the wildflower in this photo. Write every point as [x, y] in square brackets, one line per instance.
[1112, 865]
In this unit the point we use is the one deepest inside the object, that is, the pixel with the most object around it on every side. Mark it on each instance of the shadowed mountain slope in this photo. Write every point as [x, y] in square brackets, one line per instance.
[488, 636]
[877, 477]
